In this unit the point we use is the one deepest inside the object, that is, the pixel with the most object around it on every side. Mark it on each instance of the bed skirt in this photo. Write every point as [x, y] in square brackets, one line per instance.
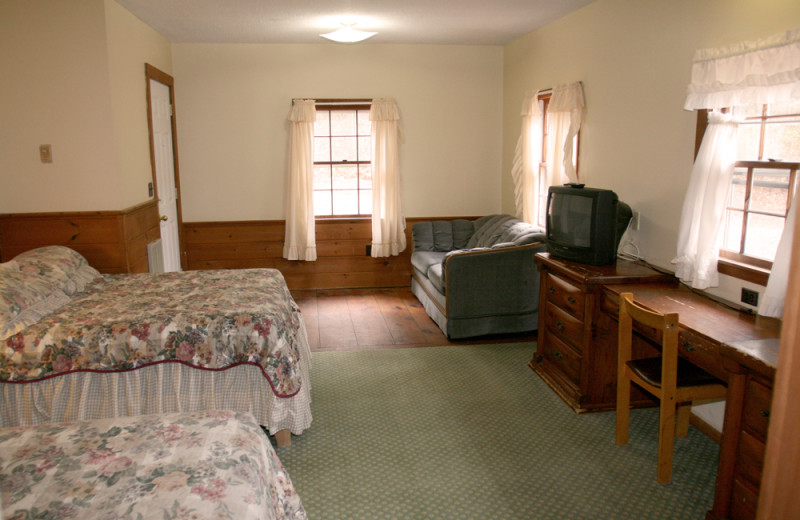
[159, 388]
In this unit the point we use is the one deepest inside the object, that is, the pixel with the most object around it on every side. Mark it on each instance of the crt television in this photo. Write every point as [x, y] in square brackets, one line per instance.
[585, 225]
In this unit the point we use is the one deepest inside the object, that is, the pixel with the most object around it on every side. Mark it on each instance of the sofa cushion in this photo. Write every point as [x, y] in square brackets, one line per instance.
[422, 260]
[422, 234]
[462, 232]
[489, 229]
[442, 235]
[436, 276]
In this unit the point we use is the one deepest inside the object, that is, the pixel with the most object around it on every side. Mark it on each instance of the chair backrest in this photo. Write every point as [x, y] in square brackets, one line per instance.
[666, 324]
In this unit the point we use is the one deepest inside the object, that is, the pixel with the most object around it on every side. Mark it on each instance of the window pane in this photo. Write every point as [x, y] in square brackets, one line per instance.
[322, 177]
[738, 187]
[364, 124]
[343, 122]
[749, 136]
[782, 142]
[345, 202]
[344, 149]
[322, 203]
[732, 230]
[364, 149]
[322, 124]
[365, 176]
[345, 176]
[365, 201]
[322, 149]
[763, 234]
[770, 191]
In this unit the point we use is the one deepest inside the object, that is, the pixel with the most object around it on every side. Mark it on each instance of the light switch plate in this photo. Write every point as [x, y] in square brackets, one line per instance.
[46, 153]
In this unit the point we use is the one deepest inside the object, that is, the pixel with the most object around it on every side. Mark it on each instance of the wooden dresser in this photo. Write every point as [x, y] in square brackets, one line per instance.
[567, 357]
[739, 348]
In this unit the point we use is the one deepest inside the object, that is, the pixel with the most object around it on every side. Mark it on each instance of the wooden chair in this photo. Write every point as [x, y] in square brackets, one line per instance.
[675, 381]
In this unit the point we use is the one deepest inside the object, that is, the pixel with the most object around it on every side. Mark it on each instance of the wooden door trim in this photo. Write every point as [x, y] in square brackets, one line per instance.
[153, 73]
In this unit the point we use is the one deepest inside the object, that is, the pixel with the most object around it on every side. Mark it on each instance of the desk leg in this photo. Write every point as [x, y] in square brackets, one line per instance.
[731, 426]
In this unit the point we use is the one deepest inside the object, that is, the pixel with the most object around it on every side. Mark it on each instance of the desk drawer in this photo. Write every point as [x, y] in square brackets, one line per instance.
[702, 353]
[565, 326]
[750, 459]
[563, 357]
[757, 405]
[565, 295]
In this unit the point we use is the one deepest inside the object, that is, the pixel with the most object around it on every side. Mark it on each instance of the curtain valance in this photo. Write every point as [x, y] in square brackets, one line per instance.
[755, 72]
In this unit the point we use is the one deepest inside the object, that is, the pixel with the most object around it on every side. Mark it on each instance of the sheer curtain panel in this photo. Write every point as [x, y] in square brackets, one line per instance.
[527, 156]
[566, 112]
[300, 241]
[757, 72]
[388, 222]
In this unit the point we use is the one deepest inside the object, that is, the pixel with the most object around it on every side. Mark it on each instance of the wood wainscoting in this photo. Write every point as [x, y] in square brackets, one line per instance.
[342, 260]
[111, 241]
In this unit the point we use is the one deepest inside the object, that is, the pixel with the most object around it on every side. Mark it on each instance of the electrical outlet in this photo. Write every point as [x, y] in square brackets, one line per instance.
[749, 297]
[46, 153]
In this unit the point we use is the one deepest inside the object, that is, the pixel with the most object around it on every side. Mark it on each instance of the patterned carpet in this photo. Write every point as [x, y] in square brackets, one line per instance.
[471, 432]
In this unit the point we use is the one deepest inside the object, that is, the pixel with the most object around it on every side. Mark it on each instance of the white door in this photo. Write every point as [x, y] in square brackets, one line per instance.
[164, 160]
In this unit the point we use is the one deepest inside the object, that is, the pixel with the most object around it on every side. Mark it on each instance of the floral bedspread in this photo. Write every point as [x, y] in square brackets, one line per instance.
[207, 319]
[214, 464]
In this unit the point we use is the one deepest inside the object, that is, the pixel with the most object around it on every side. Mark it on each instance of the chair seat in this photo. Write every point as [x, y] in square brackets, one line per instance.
[649, 369]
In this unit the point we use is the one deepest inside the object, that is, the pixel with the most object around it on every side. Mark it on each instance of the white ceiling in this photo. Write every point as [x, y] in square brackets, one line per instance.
[457, 22]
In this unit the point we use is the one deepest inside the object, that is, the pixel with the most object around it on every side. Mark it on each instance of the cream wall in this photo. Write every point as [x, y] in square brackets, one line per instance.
[67, 81]
[232, 101]
[634, 59]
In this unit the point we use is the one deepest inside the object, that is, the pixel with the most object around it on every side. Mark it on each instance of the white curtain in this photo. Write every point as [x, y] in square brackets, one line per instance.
[300, 241]
[388, 222]
[747, 73]
[699, 234]
[565, 113]
[527, 156]
[775, 295]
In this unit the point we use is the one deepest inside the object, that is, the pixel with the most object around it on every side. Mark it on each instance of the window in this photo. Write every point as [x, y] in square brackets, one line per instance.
[544, 178]
[760, 196]
[342, 169]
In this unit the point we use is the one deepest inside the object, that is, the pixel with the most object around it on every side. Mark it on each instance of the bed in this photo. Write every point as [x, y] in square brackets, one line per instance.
[209, 464]
[78, 345]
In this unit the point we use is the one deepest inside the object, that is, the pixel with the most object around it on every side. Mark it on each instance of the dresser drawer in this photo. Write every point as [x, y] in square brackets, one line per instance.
[744, 501]
[757, 404]
[562, 356]
[565, 295]
[562, 324]
[702, 353]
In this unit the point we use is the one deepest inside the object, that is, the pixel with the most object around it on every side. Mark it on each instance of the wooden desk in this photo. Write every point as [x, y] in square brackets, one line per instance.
[578, 358]
[739, 348]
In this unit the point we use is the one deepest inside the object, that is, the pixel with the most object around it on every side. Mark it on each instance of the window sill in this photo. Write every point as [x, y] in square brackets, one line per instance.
[742, 271]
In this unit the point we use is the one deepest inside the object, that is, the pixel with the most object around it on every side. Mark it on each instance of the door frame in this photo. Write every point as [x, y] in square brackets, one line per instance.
[153, 73]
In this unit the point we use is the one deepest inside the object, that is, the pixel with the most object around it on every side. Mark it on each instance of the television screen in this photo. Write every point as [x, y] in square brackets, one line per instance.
[585, 224]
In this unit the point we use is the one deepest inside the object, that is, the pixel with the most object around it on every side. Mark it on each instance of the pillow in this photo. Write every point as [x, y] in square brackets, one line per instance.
[24, 299]
[62, 266]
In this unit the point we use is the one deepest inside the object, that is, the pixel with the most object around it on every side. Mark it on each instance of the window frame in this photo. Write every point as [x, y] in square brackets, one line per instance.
[342, 105]
[736, 264]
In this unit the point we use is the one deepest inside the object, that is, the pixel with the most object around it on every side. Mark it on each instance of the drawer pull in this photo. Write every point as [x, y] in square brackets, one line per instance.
[571, 299]
[551, 289]
[560, 326]
[764, 414]
[558, 355]
[687, 346]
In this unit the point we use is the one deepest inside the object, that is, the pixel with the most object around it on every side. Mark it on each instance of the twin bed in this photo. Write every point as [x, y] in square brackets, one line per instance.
[76, 345]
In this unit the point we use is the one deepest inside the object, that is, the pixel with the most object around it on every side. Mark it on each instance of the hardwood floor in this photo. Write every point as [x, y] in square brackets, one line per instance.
[361, 319]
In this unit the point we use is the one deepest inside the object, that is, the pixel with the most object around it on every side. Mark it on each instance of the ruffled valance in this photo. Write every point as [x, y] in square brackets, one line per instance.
[567, 98]
[747, 73]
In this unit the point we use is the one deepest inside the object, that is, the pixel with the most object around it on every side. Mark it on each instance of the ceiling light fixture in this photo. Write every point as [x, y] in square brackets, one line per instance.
[347, 34]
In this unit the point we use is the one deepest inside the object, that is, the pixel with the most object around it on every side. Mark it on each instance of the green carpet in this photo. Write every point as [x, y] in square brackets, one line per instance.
[471, 432]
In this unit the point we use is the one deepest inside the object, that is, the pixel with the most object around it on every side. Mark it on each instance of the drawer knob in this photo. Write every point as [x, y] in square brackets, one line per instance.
[551, 289]
[764, 414]
[560, 326]
[571, 299]
[687, 346]
[558, 355]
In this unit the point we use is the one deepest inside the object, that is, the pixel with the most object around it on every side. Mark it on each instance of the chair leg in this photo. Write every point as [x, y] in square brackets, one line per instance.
[623, 408]
[684, 414]
[666, 440]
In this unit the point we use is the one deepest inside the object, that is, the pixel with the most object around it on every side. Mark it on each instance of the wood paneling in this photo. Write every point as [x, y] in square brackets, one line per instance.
[111, 241]
[342, 260]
